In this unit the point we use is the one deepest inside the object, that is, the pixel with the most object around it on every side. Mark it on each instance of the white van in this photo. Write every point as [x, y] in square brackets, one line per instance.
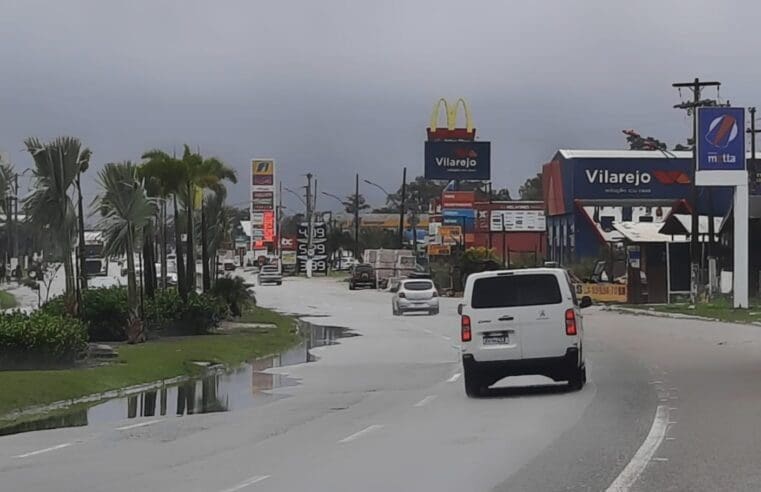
[519, 322]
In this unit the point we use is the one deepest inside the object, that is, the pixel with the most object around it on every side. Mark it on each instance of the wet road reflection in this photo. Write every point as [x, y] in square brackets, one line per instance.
[244, 387]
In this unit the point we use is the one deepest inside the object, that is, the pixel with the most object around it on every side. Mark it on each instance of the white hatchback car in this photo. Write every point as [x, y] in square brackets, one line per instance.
[415, 295]
[519, 322]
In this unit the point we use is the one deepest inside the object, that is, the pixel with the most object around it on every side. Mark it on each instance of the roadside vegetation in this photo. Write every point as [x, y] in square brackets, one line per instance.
[7, 300]
[720, 309]
[163, 358]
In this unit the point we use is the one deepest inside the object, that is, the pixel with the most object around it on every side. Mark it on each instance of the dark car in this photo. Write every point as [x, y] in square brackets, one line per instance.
[362, 275]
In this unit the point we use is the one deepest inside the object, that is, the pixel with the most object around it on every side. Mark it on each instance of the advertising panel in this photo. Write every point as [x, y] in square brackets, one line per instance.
[602, 292]
[632, 178]
[450, 235]
[439, 250]
[449, 160]
[518, 221]
[721, 139]
[263, 199]
[457, 199]
[288, 257]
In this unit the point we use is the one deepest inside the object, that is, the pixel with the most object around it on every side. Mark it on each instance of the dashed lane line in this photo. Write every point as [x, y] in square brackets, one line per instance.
[454, 377]
[46, 450]
[367, 430]
[425, 401]
[141, 424]
[246, 483]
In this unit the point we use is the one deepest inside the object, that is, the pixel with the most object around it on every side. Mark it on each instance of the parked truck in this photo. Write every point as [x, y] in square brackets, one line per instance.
[390, 263]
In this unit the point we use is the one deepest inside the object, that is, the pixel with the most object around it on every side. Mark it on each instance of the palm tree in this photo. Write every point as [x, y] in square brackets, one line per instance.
[202, 174]
[126, 210]
[170, 173]
[219, 220]
[215, 171]
[6, 178]
[50, 206]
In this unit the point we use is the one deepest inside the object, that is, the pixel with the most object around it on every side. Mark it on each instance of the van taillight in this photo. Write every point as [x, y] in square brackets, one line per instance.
[570, 322]
[465, 329]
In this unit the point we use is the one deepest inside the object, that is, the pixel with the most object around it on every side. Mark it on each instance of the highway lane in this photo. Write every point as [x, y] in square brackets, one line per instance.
[387, 411]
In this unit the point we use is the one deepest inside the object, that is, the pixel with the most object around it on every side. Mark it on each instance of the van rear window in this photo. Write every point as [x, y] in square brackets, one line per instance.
[515, 290]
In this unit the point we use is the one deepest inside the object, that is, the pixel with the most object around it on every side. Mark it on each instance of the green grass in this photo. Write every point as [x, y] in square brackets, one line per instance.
[7, 300]
[151, 361]
[721, 309]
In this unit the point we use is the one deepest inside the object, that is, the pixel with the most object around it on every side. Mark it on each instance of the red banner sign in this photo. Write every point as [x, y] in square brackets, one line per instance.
[457, 199]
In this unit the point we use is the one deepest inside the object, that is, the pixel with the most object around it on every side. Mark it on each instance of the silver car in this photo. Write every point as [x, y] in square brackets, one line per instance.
[270, 274]
[415, 295]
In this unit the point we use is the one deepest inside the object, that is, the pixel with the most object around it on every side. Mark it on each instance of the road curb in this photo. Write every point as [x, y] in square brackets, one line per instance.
[660, 314]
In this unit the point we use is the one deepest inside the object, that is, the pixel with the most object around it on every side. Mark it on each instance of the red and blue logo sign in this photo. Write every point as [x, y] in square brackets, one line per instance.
[721, 139]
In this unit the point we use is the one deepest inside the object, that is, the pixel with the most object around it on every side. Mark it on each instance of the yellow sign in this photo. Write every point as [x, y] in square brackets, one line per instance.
[262, 167]
[602, 292]
[439, 250]
[450, 235]
[451, 113]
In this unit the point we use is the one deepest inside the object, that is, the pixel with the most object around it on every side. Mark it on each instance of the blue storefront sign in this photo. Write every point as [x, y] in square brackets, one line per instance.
[721, 139]
[458, 160]
[631, 178]
[465, 218]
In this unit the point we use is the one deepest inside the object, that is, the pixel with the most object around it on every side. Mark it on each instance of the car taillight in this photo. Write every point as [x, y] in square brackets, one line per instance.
[465, 332]
[570, 322]
[401, 295]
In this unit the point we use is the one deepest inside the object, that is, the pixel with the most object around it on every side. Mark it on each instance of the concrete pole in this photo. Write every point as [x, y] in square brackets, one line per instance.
[741, 245]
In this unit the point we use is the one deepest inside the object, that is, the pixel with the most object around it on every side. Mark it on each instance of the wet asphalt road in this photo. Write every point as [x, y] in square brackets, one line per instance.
[387, 411]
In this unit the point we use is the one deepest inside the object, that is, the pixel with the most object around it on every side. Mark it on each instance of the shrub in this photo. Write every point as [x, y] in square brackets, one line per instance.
[167, 313]
[105, 311]
[234, 293]
[40, 339]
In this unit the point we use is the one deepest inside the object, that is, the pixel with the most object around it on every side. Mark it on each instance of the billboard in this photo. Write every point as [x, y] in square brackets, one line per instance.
[631, 178]
[721, 139]
[450, 235]
[449, 160]
[518, 221]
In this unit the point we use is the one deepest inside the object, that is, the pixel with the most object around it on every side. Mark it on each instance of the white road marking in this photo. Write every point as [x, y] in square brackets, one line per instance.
[660, 459]
[454, 378]
[656, 382]
[446, 337]
[141, 424]
[363, 432]
[671, 438]
[427, 331]
[40, 451]
[246, 483]
[644, 454]
[425, 401]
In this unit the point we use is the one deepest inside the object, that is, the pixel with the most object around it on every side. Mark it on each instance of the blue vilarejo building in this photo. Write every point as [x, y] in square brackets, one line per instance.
[599, 202]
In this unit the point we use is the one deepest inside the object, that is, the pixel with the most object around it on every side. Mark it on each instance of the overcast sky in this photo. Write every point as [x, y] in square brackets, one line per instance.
[338, 87]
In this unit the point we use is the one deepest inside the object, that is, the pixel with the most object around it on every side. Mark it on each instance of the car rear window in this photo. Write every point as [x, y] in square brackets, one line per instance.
[418, 285]
[515, 290]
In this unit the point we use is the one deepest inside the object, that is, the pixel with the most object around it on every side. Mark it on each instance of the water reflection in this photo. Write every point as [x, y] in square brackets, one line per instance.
[216, 392]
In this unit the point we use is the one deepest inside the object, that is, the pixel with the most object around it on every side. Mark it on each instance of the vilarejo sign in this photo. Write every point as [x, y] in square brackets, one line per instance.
[721, 146]
[633, 178]
[457, 160]
[451, 153]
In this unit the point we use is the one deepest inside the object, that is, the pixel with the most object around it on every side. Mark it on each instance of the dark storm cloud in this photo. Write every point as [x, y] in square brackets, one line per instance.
[337, 87]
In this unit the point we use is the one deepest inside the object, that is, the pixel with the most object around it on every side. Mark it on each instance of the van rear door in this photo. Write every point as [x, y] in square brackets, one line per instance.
[527, 308]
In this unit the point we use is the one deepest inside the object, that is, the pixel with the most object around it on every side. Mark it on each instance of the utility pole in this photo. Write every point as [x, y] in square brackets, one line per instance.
[754, 171]
[695, 86]
[356, 217]
[309, 223]
[401, 208]
[278, 218]
[488, 221]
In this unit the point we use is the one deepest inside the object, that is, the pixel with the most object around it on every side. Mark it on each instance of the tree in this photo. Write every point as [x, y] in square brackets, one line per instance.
[50, 207]
[418, 195]
[532, 188]
[501, 195]
[7, 174]
[126, 210]
[170, 174]
[290, 224]
[220, 221]
[351, 200]
[637, 142]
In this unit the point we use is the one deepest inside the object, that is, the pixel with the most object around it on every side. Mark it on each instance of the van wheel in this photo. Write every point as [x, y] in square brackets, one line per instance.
[472, 384]
[578, 379]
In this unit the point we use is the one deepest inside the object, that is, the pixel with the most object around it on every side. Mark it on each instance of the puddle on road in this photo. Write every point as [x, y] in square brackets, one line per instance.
[243, 387]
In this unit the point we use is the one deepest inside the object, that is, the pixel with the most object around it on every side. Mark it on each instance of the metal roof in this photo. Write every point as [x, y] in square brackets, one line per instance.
[646, 232]
[681, 224]
[631, 154]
